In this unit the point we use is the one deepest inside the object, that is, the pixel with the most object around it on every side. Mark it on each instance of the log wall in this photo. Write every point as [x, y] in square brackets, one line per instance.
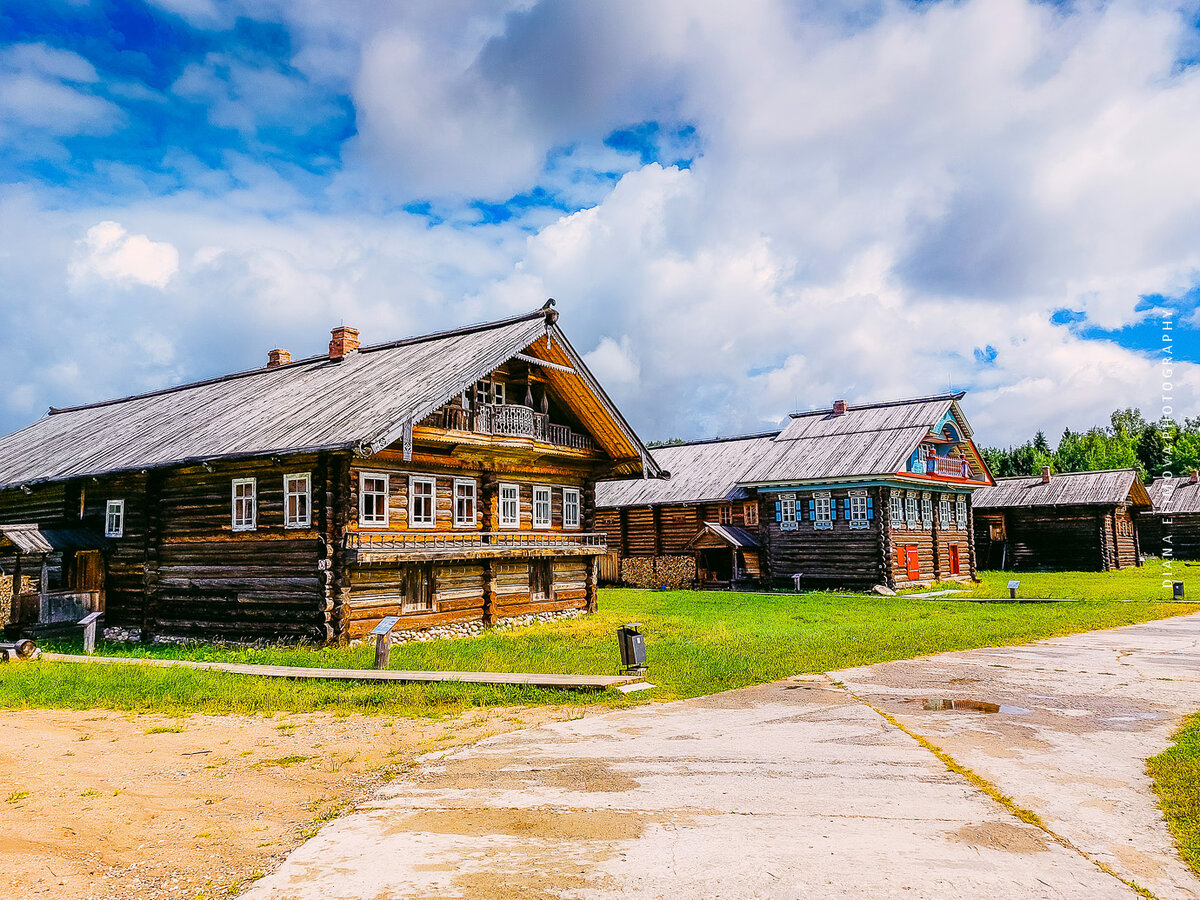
[836, 556]
[1180, 534]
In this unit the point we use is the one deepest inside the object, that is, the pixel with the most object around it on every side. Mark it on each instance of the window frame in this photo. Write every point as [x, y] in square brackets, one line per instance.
[462, 521]
[858, 504]
[363, 518]
[911, 510]
[960, 510]
[822, 518]
[896, 509]
[119, 506]
[548, 522]
[944, 513]
[750, 513]
[725, 514]
[234, 524]
[500, 501]
[578, 518]
[787, 510]
[413, 481]
[288, 493]
[927, 511]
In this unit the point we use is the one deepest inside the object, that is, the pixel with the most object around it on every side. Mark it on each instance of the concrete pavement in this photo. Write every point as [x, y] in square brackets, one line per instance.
[803, 789]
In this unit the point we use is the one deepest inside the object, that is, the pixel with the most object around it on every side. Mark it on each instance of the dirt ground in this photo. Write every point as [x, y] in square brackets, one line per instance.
[100, 804]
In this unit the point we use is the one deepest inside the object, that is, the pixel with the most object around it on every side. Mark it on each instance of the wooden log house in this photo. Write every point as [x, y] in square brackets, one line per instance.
[443, 478]
[1074, 521]
[1170, 529]
[701, 511]
[847, 496]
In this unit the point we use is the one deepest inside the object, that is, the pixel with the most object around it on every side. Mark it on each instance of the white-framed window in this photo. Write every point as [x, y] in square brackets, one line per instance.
[926, 510]
[486, 392]
[787, 509]
[373, 498]
[822, 514]
[858, 510]
[114, 518]
[510, 506]
[541, 506]
[297, 500]
[422, 501]
[245, 504]
[960, 510]
[896, 508]
[570, 507]
[750, 512]
[944, 512]
[464, 502]
[910, 510]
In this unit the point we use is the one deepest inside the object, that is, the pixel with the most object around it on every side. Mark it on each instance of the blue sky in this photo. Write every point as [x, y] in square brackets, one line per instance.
[741, 212]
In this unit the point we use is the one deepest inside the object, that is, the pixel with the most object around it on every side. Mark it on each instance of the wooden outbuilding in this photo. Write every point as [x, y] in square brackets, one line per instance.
[442, 478]
[1074, 521]
[846, 496]
[700, 512]
[1171, 527]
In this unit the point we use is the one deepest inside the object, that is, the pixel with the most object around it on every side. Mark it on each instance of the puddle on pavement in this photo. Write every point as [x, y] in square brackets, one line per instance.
[941, 704]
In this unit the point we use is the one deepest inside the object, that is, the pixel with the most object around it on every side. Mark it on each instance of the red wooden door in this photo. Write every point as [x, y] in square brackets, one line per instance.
[954, 559]
[912, 562]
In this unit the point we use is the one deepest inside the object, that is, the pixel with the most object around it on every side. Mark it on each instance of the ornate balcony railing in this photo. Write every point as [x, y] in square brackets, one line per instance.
[948, 467]
[451, 541]
[506, 420]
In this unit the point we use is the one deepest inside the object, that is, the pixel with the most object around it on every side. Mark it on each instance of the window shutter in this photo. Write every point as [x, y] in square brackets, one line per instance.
[778, 510]
[870, 508]
[812, 509]
[833, 510]
[900, 555]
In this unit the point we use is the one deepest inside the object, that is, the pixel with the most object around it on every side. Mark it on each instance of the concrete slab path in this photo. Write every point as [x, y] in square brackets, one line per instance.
[811, 787]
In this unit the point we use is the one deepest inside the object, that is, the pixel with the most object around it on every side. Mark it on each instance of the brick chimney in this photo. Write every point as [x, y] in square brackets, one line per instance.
[1045, 474]
[277, 358]
[345, 341]
[1194, 477]
[839, 407]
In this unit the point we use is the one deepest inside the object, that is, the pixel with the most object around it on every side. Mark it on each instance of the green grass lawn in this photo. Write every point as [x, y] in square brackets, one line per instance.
[698, 642]
[1176, 774]
[1144, 583]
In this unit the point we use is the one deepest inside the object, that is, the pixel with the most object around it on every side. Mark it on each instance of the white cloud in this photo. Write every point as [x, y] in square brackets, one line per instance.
[613, 363]
[110, 253]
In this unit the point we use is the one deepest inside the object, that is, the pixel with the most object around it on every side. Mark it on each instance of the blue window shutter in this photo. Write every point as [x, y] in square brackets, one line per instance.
[778, 510]
[832, 510]
[812, 509]
[870, 507]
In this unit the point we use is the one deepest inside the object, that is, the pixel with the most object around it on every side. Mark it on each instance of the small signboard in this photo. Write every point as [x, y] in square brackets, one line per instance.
[1013, 585]
[386, 625]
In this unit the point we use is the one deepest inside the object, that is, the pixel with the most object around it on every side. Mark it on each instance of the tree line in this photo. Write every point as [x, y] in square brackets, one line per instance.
[1127, 442]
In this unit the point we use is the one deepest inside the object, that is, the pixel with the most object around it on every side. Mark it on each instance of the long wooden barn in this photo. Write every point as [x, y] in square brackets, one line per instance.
[441, 478]
[853, 495]
[1075, 521]
[1171, 527]
[700, 513]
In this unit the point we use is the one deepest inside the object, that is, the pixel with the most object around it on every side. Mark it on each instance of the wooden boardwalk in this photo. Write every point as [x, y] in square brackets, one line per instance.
[568, 682]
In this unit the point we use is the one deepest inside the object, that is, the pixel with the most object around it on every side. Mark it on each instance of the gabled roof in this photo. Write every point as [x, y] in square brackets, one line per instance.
[1175, 496]
[701, 472]
[1105, 488]
[732, 535]
[875, 439]
[363, 401]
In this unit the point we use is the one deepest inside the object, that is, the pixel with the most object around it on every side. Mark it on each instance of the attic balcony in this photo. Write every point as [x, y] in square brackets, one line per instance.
[393, 547]
[947, 467]
[507, 420]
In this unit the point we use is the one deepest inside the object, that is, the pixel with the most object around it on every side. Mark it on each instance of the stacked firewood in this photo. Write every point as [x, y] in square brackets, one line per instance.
[6, 595]
[652, 572]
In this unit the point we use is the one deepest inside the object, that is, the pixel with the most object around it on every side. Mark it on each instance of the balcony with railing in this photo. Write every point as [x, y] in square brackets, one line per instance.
[398, 545]
[947, 467]
[505, 420]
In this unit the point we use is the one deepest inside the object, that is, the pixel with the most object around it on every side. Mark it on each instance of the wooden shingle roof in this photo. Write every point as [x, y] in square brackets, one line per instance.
[701, 472]
[362, 402]
[871, 440]
[1106, 488]
[1175, 496]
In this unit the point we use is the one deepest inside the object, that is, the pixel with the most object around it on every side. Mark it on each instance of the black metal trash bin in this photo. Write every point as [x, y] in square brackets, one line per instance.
[633, 647]
[1177, 590]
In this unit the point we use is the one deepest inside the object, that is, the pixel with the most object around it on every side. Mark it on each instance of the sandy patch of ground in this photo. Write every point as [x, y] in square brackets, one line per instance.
[101, 804]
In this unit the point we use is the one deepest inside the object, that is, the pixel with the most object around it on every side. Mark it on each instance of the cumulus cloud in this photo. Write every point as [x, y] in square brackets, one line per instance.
[110, 253]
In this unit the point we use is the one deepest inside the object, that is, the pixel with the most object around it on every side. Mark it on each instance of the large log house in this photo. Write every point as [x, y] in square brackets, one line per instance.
[851, 495]
[440, 478]
[1172, 528]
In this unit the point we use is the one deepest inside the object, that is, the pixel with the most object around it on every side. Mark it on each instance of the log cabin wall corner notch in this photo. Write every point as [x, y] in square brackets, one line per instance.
[442, 478]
